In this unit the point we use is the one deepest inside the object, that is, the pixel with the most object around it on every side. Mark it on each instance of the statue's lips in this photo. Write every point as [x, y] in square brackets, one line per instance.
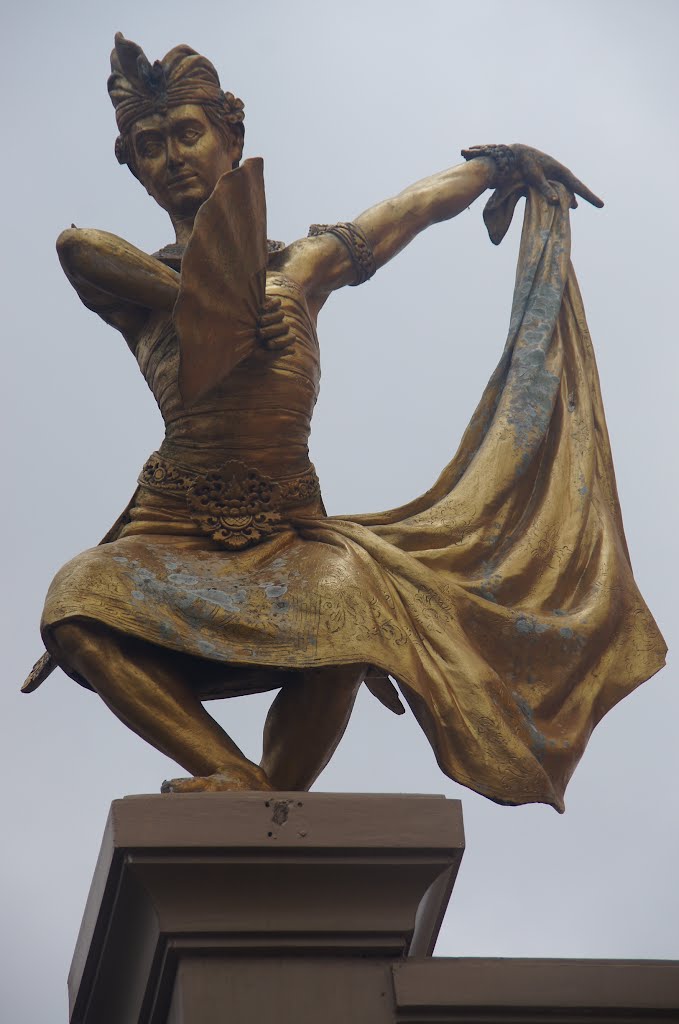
[180, 180]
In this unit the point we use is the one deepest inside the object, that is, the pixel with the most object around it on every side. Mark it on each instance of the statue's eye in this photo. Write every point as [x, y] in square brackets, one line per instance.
[149, 150]
[190, 135]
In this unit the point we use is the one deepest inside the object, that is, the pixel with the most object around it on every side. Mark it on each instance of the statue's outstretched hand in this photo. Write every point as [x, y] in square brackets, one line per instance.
[524, 165]
[272, 331]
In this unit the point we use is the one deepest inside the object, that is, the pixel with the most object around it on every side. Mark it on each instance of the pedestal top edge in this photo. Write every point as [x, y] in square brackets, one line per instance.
[302, 819]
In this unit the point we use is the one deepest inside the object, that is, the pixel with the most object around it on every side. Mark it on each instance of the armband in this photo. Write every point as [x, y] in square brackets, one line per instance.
[356, 244]
[502, 156]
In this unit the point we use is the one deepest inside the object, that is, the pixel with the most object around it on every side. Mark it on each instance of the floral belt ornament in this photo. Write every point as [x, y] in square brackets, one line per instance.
[235, 505]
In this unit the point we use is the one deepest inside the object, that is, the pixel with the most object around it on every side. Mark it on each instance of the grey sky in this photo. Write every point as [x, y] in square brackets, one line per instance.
[348, 104]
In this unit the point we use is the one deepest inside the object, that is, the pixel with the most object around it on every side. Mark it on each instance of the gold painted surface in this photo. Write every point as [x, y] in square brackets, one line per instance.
[502, 601]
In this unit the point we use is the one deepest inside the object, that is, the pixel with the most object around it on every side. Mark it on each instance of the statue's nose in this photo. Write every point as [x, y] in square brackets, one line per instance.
[174, 156]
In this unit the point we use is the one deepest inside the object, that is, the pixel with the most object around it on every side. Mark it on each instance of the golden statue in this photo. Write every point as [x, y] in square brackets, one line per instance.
[501, 602]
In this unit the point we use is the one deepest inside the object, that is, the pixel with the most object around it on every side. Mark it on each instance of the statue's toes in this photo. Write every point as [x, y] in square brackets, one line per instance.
[247, 778]
[190, 785]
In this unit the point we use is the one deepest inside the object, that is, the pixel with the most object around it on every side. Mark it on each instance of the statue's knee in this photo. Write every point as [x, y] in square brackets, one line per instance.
[75, 640]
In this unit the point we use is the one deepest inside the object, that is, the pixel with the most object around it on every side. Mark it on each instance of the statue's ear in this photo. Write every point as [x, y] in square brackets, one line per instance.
[238, 142]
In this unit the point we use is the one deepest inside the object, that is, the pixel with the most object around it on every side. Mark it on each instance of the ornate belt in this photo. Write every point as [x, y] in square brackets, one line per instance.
[236, 505]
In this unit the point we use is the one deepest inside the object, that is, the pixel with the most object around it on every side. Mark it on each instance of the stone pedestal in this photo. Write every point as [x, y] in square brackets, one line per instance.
[312, 909]
[238, 907]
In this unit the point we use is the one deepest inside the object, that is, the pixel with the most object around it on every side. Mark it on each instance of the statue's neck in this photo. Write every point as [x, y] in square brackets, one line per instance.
[183, 226]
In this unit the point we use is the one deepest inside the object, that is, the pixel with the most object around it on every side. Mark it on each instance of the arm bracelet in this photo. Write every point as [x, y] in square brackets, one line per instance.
[357, 245]
[502, 156]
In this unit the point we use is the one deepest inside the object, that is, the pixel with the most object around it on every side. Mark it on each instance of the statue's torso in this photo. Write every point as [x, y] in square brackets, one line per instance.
[260, 415]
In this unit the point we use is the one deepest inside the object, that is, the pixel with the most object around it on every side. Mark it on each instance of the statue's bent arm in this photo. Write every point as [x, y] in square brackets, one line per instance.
[322, 264]
[115, 279]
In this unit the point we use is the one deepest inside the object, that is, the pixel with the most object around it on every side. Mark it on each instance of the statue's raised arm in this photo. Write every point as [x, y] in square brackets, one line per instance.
[345, 255]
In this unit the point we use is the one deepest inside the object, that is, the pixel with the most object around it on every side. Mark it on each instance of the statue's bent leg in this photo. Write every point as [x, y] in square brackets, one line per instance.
[306, 722]
[148, 689]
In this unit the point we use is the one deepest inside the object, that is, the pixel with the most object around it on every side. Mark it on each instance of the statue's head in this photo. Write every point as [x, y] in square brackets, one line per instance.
[179, 132]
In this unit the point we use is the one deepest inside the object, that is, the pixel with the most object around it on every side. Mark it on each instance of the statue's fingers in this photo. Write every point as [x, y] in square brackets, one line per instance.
[474, 151]
[579, 188]
[275, 340]
[276, 344]
[272, 304]
[271, 312]
[269, 331]
[271, 319]
[537, 178]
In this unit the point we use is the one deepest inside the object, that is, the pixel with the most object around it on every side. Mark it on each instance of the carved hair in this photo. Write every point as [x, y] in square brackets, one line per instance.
[138, 88]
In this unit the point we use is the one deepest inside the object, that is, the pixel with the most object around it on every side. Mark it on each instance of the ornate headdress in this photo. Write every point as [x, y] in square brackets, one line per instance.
[138, 88]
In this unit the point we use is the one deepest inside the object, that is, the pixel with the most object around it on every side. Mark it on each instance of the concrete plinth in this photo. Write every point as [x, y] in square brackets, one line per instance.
[306, 908]
[236, 907]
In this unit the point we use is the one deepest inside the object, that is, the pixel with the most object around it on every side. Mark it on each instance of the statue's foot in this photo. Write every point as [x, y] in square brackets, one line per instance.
[225, 780]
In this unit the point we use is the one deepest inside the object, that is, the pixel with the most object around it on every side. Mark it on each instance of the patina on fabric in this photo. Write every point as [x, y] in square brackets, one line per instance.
[502, 600]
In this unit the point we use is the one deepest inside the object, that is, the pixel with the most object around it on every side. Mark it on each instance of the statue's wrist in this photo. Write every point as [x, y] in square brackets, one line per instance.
[490, 170]
[501, 161]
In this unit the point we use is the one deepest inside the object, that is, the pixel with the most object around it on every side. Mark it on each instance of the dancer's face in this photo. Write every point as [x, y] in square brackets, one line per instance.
[179, 156]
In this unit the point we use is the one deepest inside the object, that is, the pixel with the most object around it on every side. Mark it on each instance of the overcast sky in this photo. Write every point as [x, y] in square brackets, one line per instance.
[348, 103]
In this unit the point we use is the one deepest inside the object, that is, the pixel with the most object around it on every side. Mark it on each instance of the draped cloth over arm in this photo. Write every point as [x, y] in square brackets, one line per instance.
[510, 577]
